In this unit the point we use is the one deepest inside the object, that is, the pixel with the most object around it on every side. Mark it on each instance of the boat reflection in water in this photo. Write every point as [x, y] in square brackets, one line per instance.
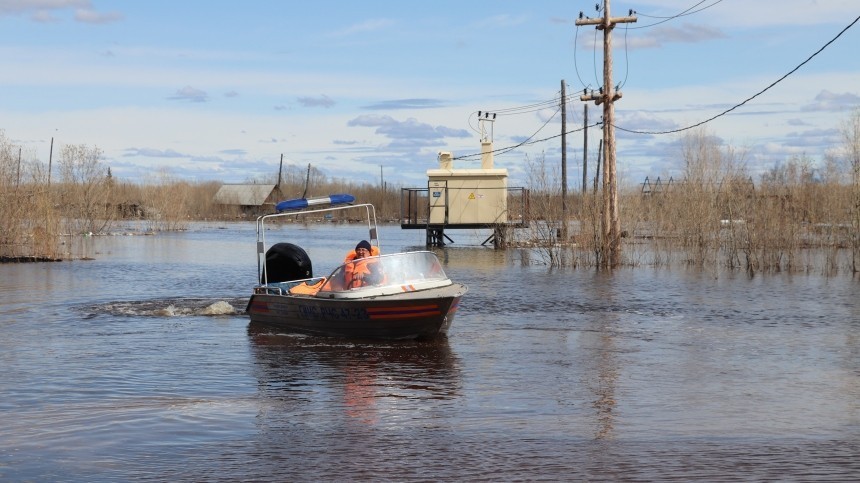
[355, 382]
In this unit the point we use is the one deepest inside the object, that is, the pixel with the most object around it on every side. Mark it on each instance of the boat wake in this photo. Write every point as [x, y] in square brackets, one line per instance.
[174, 307]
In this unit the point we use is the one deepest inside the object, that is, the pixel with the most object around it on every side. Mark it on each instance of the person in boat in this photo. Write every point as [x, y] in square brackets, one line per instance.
[359, 270]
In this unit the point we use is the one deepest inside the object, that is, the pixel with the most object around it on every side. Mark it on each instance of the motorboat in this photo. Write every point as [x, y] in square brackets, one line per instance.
[409, 295]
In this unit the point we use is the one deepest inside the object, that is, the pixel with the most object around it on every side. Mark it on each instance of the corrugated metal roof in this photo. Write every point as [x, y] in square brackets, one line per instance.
[243, 194]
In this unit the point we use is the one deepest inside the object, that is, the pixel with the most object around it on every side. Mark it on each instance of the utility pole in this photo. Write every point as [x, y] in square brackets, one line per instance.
[610, 248]
[597, 168]
[584, 149]
[50, 159]
[563, 232]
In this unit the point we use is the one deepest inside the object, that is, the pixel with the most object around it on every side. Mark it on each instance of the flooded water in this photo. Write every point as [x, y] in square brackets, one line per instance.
[141, 365]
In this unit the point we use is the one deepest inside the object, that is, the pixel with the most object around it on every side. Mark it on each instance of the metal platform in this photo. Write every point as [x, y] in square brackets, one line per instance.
[415, 215]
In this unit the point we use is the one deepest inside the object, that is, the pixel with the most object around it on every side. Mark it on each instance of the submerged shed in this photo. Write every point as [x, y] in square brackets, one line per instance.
[250, 198]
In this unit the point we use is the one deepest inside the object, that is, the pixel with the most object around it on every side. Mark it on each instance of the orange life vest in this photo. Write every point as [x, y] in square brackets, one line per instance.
[361, 272]
[305, 288]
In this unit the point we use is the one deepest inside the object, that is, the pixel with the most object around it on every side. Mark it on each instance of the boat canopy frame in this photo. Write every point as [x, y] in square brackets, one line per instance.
[370, 216]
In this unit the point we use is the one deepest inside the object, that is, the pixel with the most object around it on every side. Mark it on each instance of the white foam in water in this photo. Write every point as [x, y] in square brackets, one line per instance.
[218, 308]
[168, 311]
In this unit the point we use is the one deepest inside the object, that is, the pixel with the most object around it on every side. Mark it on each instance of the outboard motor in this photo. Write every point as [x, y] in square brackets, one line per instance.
[286, 262]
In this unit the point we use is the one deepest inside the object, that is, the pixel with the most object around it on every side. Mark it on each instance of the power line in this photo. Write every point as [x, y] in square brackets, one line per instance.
[575, 62]
[683, 13]
[792, 71]
[504, 150]
[530, 107]
[552, 102]
[526, 142]
[526, 109]
[626, 60]
[535, 133]
[688, 11]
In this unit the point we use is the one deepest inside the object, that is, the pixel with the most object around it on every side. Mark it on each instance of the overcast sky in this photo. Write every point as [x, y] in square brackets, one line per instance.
[219, 90]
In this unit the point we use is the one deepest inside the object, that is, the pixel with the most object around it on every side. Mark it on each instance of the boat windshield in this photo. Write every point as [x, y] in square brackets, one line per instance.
[395, 270]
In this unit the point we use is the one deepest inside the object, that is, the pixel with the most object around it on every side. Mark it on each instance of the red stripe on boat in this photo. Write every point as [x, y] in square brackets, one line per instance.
[403, 312]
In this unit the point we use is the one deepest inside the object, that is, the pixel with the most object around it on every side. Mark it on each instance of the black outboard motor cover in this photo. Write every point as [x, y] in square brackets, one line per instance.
[286, 262]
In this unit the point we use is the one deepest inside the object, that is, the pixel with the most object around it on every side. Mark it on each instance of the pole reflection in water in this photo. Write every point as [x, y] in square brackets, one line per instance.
[602, 357]
[607, 374]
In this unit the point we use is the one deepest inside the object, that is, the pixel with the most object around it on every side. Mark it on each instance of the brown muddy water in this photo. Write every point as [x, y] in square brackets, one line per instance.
[141, 365]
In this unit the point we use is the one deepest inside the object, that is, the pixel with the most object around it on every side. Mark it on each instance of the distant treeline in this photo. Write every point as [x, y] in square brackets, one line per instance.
[799, 216]
[41, 204]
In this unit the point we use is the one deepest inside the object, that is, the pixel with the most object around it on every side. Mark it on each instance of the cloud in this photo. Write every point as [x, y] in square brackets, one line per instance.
[449, 132]
[688, 34]
[43, 16]
[501, 21]
[366, 26]
[371, 120]
[643, 122]
[830, 101]
[93, 17]
[189, 93]
[44, 11]
[812, 138]
[321, 101]
[234, 152]
[16, 7]
[153, 153]
[409, 129]
[410, 144]
[406, 104]
[660, 37]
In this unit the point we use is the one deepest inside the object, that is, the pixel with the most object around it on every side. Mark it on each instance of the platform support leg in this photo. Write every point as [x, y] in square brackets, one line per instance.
[435, 237]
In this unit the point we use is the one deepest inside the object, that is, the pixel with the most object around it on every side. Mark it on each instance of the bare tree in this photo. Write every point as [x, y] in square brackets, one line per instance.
[10, 213]
[85, 189]
[28, 222]
[168, 202]
[545, 201]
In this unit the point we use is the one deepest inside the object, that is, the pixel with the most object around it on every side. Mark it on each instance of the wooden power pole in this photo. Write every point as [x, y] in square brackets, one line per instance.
[563, 232]
[584, 148]
[610, 246]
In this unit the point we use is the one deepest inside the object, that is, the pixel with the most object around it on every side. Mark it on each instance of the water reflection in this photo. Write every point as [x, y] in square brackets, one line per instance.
[113, 370]
[607, 367]
[365, 382]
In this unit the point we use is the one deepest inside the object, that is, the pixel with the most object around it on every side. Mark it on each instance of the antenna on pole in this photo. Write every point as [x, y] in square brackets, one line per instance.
[485, 125]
